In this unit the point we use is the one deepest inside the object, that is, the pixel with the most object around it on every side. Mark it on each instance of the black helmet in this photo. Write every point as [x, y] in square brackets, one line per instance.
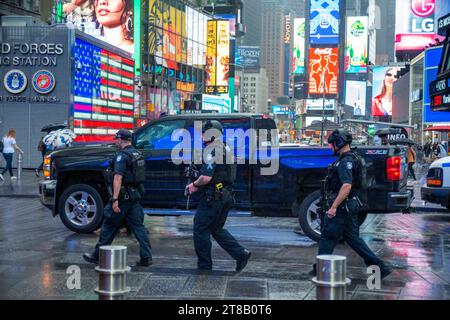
[340, 137]
[212, 124]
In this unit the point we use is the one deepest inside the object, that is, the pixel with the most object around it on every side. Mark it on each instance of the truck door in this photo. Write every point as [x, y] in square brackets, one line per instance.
[165, 180]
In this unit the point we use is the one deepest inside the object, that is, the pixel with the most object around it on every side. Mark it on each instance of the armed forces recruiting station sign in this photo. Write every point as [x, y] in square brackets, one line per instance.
[30, 69]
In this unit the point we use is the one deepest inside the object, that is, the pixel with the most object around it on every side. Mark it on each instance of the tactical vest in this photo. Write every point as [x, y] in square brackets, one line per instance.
[360, 177]
[135, 174]
[225, 173]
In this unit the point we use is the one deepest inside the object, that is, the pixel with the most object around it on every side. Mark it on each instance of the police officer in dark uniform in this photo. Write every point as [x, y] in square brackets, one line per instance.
[215, 185]
[124, 205]
[342, 189]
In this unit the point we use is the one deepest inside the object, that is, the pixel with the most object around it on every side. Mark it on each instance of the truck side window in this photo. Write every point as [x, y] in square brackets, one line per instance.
[159, 135]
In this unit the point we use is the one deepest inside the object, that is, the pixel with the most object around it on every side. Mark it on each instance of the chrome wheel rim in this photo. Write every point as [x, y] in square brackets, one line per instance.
[80, 208]
[313, 217]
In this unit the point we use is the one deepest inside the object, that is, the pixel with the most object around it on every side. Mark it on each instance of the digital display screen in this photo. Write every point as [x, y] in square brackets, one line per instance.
[356, 45]
[103, 92]
[323, 71]
[324, 21]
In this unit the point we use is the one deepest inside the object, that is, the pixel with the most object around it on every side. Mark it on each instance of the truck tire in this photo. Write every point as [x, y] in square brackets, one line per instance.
[81, 208]
[309, 219]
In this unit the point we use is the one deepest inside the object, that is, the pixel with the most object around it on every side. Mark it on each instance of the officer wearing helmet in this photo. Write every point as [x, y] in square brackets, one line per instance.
[125, 178]
[215, 186]
[341, 191]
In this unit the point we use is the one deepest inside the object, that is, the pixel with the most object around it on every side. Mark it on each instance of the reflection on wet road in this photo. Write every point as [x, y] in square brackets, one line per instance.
[36, 250]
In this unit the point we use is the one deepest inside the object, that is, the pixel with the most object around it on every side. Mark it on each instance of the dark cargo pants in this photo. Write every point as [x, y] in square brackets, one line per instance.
[345, 224]
[133, 215]
[210, 220]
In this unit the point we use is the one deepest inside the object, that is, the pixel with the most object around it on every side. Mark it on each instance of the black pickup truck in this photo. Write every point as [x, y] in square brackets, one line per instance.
[75, 185]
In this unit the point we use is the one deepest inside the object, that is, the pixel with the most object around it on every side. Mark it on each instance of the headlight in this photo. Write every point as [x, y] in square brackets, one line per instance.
[47, 166]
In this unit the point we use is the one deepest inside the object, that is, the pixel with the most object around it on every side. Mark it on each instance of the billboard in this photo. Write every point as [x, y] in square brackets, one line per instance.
[355, 96]
[317, 104]
[323, 71]
[324, 21]
[414, 24]
[298, 57]
[431, 65]
[101, 19]
[223, 55]
[221, 104]
[211, 56]
[356, 45]
[382, 84]
[248, 57]
[229, 17]
[218, 56]
[103, 92]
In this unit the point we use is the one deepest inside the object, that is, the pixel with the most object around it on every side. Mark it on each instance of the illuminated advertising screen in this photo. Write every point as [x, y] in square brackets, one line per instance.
[430, 72]
[298, 58]
[248, 57]
[223, 55]
[355, 96]
[324, 21]
[318, 104]
[382, 83]
[211, 56]
[218, 56]
[221, 104]
[323, 71]
[103, 92]
[229, 17]
[414, 24]
[356, 45]
[101, 18]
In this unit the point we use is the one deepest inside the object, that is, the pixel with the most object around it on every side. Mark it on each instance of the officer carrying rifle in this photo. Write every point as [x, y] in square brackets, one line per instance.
[215, 185]
[343, 196]
[125, 178]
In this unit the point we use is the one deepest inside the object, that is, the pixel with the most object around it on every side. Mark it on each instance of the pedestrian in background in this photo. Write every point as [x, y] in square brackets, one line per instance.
[411, 161]
[9, 146]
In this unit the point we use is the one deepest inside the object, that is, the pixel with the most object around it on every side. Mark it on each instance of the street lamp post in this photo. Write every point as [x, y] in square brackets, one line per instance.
[323, 108]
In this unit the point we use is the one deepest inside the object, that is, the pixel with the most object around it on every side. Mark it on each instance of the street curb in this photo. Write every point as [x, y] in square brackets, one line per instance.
[427, 209]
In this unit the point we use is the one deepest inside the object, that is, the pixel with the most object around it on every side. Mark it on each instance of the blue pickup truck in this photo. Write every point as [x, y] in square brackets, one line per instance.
[75, 187]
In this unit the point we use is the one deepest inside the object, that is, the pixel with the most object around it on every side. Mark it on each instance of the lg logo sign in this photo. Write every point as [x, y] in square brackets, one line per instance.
[423, 8]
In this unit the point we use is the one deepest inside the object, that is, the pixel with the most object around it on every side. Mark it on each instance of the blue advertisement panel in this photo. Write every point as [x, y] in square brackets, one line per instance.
[324, 21]
[431, 64]
[248, 57]
[442, 9]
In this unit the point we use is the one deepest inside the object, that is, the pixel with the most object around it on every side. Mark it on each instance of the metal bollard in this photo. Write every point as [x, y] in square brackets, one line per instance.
[112, 271]
[331, 278]
[19, 166]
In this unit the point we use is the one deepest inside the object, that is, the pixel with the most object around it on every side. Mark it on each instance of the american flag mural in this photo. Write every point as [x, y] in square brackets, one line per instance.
[103, 93]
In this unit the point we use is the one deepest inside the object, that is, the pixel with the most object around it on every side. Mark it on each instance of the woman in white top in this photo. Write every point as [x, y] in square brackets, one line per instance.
[9, 146]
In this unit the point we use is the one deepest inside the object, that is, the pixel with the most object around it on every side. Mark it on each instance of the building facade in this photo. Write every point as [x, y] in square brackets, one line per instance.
[255, 91]
[272, 46]
[416, 97]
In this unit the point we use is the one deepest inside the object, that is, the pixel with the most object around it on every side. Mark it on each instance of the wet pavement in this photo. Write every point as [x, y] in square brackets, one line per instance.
[36, 250]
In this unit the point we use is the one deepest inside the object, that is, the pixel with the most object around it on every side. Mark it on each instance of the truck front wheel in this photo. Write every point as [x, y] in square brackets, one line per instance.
[81, 208]
[309, 218]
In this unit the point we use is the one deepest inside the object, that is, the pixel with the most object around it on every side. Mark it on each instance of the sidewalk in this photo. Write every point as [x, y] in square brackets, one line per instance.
[26, 187]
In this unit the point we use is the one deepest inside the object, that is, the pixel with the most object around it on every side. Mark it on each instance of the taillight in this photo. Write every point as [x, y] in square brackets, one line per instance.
[434, 177]
[434, 182]
[394, 168]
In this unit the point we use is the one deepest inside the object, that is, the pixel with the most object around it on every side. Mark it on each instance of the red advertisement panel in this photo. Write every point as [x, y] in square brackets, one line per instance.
[323, 71]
